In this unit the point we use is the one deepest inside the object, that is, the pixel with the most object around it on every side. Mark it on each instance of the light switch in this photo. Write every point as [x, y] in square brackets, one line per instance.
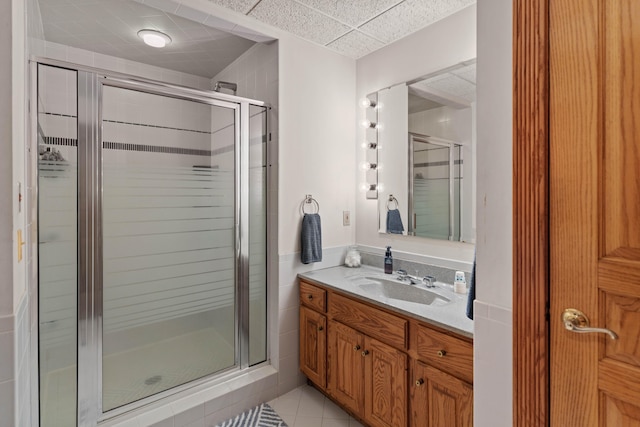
[20, 243]
[346, 218]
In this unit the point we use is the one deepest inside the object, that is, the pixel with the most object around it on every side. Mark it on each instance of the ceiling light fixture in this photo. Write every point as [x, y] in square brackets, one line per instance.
[154, 38]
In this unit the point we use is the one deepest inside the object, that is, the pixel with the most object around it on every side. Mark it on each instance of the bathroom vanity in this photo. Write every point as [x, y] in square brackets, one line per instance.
[390, 353]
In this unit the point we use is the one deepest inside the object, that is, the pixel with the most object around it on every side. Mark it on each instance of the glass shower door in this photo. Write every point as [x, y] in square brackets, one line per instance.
[57, 244]
[169, 242]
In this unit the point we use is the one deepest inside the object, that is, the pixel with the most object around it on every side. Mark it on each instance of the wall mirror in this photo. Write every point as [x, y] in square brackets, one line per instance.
[426, 155]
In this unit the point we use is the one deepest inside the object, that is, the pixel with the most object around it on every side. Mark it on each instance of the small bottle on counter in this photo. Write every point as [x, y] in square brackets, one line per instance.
[388, 261]
[460, 283]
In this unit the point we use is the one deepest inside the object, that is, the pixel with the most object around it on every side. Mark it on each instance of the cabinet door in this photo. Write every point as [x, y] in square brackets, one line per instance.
[346, 366]
[313, 346]
[385, 385]
[439, 399]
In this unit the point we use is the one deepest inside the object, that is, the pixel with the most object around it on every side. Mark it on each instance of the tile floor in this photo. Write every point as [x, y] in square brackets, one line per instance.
[307, 407]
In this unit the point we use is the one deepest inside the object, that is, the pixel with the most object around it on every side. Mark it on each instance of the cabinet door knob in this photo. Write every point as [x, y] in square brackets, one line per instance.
[364, 353]
[419, 382]
[356, 347]
[309, 297]
[442, 353]
[321, 328]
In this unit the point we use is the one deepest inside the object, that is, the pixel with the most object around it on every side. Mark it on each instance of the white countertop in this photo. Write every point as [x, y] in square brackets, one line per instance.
[450, 316]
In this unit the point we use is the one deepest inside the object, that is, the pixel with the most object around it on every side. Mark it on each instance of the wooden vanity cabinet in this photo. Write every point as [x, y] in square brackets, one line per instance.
[386, 369]
[346, 366]
[368, 377]
[313, 333]
[313, 345]
[439, 399]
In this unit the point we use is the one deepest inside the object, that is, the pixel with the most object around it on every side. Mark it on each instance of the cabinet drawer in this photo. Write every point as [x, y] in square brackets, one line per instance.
[448, 353]
[386, 327]
[313, 296]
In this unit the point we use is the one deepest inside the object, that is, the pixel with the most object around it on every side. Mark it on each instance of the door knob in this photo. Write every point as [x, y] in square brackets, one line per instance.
[576, 321]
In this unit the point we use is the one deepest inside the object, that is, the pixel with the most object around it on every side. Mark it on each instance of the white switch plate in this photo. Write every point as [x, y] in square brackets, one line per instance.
[346, 218]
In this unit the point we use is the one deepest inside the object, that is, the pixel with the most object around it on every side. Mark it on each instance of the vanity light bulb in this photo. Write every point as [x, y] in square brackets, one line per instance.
[366, 123]
[364, 187]
[368, 166]
[366, 103]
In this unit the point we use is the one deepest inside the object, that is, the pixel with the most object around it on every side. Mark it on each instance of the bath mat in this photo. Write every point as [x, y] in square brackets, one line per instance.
[260, 416]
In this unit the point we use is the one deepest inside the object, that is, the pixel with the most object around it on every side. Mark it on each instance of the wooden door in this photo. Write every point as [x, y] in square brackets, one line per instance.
[313, 346]
[346, 366]
[439, 399]
[385, 385]
[594, 174]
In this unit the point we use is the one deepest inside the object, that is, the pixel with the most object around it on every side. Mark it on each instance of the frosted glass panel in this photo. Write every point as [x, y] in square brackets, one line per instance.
[57, 244]
[168, 243]
[437, 178]
[257, 235]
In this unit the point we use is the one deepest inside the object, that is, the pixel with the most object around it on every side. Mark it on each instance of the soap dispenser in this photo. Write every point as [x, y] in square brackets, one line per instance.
[388, 261]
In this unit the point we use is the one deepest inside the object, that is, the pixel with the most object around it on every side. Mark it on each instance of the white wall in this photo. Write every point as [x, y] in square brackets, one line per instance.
[440, 45]
[393, 155]
[493, 330]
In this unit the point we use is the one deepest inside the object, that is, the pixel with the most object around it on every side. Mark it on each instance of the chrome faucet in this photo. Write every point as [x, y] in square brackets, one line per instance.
[429, 281]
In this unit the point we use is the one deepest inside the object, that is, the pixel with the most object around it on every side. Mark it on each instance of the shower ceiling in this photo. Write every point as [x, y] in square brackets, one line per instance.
[111, 27]
[204, 45]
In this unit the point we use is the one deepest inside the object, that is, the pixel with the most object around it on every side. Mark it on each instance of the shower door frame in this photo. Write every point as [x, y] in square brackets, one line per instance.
[444, 143]
[90, 82]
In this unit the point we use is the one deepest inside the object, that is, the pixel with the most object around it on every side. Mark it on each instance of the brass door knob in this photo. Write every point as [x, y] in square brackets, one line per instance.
[309, 297]
[356, 347]
[442, 353]
[364, 353]
[419, 382]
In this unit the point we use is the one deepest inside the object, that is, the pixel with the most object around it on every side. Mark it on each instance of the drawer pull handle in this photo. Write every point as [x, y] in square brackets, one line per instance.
[419, 382]
[309, 297]
[356, 347]
[364, 353]
[321, 328]
[442, 353]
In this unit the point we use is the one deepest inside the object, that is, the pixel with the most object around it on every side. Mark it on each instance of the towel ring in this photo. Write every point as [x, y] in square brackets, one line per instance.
[392, 200]
[310, 201]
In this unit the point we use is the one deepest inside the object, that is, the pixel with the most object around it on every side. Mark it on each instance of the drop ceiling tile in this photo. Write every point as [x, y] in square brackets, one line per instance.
[299, 20]
[242, 6]
[410, 16]
[352, 12]
[355, 44]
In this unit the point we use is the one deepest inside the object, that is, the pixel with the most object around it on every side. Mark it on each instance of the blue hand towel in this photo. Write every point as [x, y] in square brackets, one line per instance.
[472, 290]
[311, 239]
[394, 222]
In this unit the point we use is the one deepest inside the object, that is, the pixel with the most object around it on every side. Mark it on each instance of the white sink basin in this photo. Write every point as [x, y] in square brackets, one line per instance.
[392, 289]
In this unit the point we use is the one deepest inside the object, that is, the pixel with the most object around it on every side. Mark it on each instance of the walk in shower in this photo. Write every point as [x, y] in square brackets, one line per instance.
[152, 240]
[435, 183]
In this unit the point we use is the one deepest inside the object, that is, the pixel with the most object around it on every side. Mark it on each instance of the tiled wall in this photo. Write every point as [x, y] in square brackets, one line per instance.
[7, 374]
[492, 365]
